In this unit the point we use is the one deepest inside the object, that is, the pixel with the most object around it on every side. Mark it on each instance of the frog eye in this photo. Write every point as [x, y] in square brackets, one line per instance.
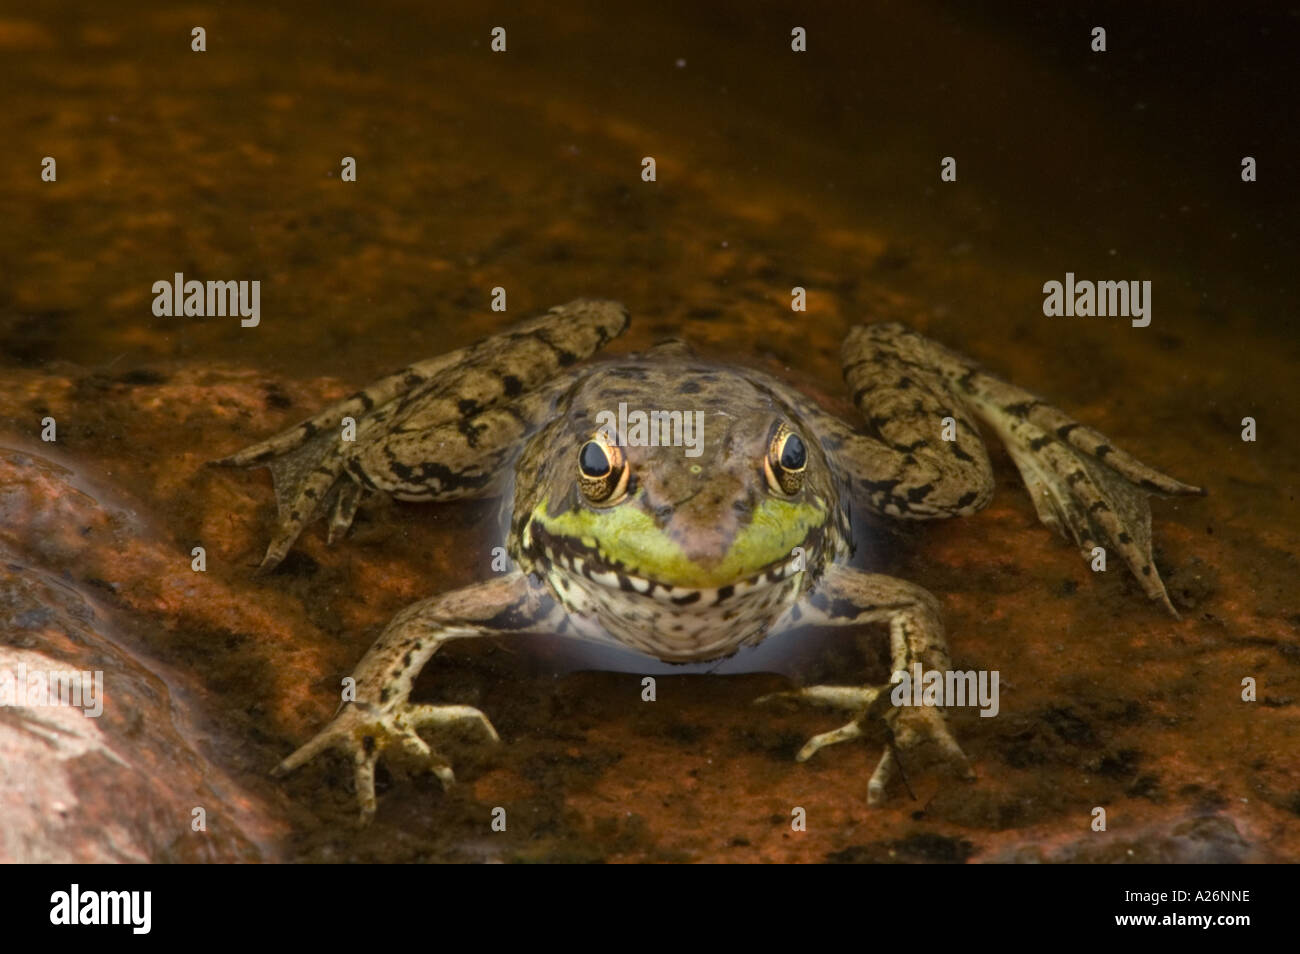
[602, 471]
[787, 456]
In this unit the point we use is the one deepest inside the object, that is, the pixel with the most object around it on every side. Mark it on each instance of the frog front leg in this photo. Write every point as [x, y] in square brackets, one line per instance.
[849, 597]
[382, 717]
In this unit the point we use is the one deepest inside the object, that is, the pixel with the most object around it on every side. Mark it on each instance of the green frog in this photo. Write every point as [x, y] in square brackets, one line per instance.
[684, 553]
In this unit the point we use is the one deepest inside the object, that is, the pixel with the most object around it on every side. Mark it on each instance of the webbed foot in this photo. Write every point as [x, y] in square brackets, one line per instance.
[912, 390]
[910, 728]
[363, 731]
[438, 429]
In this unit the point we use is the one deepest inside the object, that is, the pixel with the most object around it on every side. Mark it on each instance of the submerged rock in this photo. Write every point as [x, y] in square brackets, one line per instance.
[100, 749]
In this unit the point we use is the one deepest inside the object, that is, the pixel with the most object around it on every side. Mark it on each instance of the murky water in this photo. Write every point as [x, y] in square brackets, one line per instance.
[774, 169]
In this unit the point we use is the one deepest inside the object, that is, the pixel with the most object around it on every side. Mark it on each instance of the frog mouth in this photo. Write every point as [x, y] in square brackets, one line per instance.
[573, 558]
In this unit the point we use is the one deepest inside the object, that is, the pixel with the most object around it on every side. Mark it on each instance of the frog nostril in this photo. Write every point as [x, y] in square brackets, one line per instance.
[742, 506]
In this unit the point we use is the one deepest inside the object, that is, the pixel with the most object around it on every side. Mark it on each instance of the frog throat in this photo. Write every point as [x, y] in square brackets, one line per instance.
[628, 540]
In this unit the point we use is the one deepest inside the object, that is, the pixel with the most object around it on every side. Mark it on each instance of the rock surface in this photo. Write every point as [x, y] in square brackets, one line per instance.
[118, 772]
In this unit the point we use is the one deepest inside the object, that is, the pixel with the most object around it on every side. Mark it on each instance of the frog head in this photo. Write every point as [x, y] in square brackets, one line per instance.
[686, 477]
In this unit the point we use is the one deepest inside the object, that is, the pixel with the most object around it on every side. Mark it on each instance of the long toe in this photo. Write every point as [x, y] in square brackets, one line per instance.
[431, 715]
[850, 730]
[880, 778]
[365, 781]
[317, 744]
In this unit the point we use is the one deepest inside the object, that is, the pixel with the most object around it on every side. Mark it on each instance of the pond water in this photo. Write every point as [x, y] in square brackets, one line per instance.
[522, 170]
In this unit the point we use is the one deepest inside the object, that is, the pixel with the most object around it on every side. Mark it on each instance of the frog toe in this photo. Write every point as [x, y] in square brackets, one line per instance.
[912, 728]
[327, 738]
[364, 775]
[364, 754]
[365, 732]
[850, 698]
[846, 732]
[916, 726]
[419, 752]
[886, 768]
[436, 716]
[343, 510]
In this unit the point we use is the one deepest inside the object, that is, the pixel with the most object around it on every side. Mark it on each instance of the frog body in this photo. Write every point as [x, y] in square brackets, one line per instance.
[684, 553]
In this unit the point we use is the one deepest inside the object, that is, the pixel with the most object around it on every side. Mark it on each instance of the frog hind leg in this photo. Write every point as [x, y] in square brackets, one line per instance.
[849, 597]
[382, 720]
[479, 398]
[1081, 485]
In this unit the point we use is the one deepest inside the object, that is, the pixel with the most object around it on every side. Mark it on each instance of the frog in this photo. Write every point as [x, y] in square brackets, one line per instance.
[684, 556]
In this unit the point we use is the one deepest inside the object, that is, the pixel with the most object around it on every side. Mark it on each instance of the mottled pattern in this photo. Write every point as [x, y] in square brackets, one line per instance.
[702, 507]
[1080, 484]
[436, 430]
[673, 623]
[699, 554]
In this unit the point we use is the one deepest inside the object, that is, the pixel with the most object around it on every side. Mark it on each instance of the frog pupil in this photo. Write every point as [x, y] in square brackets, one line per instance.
[593, 460]
[793, 454]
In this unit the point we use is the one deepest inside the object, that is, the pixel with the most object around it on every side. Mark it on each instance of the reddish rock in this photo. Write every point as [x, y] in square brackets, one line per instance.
[121, 775]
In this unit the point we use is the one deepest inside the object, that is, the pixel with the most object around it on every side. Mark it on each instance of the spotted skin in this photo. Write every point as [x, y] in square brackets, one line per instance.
[689, 557]
[462, 403]
[846, 597]
[1080, 484]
